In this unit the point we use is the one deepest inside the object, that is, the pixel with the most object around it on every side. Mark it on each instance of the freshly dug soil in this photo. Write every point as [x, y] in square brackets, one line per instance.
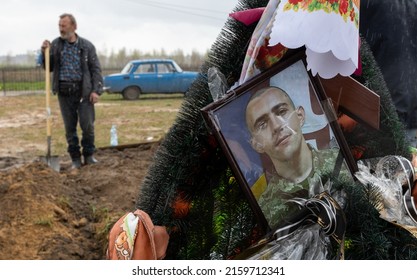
[46, 214]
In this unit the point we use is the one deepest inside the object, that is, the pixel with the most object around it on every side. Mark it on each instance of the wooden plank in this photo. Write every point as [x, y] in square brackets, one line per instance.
[354, 99]
[145, 144]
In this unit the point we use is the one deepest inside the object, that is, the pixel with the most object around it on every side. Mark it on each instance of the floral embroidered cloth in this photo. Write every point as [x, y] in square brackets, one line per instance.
[135, 237]
[328, 28]
[259, 39]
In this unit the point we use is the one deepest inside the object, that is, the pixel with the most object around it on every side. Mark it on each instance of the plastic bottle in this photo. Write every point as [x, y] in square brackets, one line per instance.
[39, 59]
[113, 136]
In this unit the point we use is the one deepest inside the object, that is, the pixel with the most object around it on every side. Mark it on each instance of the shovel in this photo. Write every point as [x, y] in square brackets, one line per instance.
[52, 161]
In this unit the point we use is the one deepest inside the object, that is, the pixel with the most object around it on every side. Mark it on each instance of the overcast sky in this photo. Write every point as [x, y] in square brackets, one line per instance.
[112, 25]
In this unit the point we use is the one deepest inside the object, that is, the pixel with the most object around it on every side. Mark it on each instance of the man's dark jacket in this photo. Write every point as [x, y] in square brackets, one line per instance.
[92, 80]
[390, 28]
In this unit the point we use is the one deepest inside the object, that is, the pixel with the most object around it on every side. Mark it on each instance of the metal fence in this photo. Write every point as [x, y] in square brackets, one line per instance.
[28, 80]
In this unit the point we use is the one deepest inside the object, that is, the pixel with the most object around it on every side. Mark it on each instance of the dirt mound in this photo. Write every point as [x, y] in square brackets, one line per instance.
[46, 214]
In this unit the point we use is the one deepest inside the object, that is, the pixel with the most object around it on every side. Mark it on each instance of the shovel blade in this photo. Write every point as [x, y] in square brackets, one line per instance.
[52, 161]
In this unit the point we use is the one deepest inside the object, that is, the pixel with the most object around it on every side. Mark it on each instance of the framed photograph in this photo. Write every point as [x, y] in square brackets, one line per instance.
[281, 136]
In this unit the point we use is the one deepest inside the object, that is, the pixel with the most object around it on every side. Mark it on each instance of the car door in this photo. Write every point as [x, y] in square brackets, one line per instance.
[145, 77]
[168, 78]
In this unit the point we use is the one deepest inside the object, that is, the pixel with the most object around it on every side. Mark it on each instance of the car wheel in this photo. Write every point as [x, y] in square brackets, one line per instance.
[131, 93]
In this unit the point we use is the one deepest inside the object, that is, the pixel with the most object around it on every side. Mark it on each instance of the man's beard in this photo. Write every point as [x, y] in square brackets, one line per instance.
[67, 35]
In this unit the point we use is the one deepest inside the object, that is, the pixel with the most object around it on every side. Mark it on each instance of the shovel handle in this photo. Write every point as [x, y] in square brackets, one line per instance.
[48, 91]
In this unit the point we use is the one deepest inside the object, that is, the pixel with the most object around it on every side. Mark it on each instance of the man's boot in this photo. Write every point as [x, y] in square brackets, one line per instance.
[76, 163]
[90, 160]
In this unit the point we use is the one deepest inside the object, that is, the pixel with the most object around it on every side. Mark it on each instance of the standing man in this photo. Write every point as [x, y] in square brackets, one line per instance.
[78, 82]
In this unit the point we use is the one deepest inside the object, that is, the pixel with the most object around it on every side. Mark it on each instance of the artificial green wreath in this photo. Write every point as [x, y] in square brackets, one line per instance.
[191, 190]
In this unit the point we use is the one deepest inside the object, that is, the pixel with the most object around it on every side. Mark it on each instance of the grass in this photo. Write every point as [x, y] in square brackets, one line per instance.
[45, 221]
[103, 223]
[64, 202]
[23, 121]
[23, 86]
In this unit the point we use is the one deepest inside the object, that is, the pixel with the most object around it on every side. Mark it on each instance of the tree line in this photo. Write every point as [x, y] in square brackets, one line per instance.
[187, 61]
[118, 59]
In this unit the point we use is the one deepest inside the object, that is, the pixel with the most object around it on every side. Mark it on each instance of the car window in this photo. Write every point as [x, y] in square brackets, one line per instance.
[127, 68]
[145, 68]
[165, 68]
[176, 67]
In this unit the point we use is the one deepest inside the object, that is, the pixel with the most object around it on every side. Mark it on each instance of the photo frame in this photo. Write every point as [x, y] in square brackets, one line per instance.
[236, 127]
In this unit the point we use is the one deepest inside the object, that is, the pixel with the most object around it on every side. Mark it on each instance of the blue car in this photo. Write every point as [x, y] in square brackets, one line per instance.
[149, 76]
